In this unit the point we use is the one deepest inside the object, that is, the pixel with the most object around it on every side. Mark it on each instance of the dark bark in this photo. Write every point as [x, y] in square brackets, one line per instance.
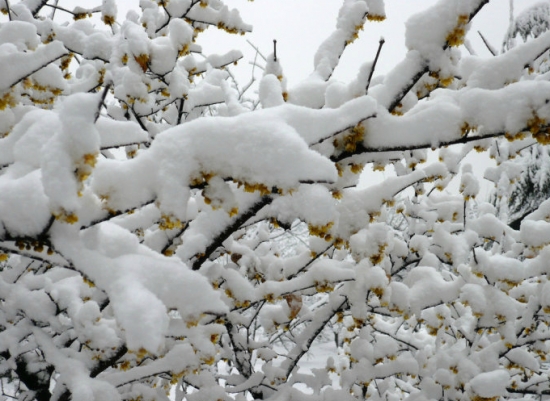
[230, 229]
[39, 382]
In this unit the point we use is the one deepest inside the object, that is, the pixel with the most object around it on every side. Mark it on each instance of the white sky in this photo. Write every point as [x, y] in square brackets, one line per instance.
[301, 25]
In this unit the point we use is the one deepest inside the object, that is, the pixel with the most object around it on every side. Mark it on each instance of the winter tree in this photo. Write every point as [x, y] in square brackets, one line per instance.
[145, 204]
[533, 185]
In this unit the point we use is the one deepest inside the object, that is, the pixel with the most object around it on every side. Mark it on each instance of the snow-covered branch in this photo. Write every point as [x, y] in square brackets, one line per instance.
[162, 236]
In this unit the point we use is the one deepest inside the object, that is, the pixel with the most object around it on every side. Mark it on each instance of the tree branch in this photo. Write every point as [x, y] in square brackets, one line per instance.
[104, 365]
[487, 44]
[302, 347]
[380, 44]
[361, 149]
[230, 229]
[38, 7]
[425, 67]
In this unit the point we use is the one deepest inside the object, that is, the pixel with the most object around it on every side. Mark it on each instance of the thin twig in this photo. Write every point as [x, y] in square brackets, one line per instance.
[8, 9]
[102, 100]
[52, 15]
[380, 44]
[487, 44]
[230, 229]
[257, 50]
[37, 69]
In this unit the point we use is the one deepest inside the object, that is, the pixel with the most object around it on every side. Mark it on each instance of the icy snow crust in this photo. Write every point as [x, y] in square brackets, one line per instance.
[139, 239]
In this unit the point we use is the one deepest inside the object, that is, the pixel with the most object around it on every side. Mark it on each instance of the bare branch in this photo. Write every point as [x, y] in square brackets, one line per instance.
[487, 44]
[380, 44]
[230, 229]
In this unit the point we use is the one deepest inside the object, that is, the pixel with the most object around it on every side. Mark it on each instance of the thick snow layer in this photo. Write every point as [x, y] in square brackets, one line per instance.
[69, 149]
[399, 78]
[135, 279]
[359, 205]
[391, 131]
[535, 233]
[26, 62]
[427, 288]
[496, 72]
[114, 133]
[350, 19]
[441, 19]
[230, 19]
[490, 384]
[20, 33]
[449, 113]
[232, 225]
[313, 204]
[248, 147]
[18, 198]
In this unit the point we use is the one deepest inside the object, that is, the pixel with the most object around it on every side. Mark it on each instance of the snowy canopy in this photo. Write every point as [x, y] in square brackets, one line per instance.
[167, 233]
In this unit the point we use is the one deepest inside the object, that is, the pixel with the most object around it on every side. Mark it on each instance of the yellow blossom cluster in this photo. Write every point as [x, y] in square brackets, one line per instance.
[143, 61]
[41, 94]
[355, 34]
[321, 231]
[78, 16]
[456, 36]
[84, 169]
[108, 20]
[249, 187]
[377, 258]
[539, 129]
[376, 17]
[170, 223]
[232, 30]
[66, 217]
[7, 100]
[34, 245]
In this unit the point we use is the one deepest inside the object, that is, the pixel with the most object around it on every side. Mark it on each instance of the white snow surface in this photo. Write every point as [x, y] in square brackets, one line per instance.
[490, 384]
[167, 255]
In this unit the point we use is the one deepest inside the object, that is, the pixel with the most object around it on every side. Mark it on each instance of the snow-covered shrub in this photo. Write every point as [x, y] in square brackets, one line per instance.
[533, 185]
[146, 210]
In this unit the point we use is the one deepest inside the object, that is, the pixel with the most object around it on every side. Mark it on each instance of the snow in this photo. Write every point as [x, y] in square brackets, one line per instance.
[351, 18]
[523, 358]
[376, 8]
[535, 233]
[114, 133]
[247, 140]
[448, 23]
[136, 284]
[398, 78]
[19, 196]
[271, 92]
[214, 15]
[73, 147]
[228, 241]
[428, 288]
[389, 131]
[313, 204]
[143, 330]
[20, 33]
[490, 384]
[27, 62]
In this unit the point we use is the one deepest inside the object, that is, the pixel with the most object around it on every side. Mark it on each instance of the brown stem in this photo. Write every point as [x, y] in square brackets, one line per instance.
[380, 44]
[230, 229]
